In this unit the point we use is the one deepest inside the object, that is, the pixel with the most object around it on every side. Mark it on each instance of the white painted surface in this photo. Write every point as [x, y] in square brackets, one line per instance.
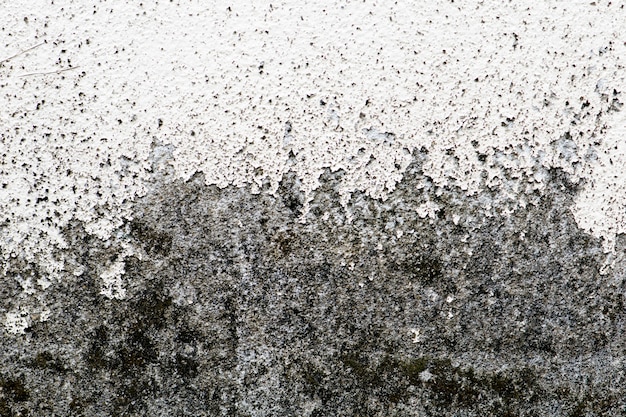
[239, 87]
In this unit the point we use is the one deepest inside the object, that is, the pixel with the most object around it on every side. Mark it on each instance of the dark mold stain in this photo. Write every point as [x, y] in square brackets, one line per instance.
[14, 390]
[238, 308]
[154, 241]
[45, 360]
[13, 396]
[422, 268]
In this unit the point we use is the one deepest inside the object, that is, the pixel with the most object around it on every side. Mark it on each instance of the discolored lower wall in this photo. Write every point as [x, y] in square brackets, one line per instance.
[241, 304]
[312, 208]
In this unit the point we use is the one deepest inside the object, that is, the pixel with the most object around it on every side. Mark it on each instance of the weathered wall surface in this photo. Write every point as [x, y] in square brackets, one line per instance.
[312, 208]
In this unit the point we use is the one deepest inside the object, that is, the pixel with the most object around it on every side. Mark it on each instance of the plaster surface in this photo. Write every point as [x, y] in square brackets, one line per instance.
[464, 115]
[498, 93]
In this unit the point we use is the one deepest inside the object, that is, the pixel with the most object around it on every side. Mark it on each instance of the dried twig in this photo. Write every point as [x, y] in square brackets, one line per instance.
[49, 72]
[22, 52]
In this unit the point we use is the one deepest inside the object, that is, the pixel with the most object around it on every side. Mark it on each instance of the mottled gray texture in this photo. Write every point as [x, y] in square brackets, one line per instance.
[240, 309]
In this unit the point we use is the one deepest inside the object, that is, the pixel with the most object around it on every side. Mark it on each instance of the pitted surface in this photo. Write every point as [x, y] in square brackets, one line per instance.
[247, 92]
[312, 208]
[234, 307]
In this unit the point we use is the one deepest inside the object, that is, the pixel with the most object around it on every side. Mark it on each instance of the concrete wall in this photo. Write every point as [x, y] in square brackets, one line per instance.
[445, 180]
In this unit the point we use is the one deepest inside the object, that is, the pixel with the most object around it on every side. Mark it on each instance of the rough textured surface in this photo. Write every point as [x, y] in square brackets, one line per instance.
[248, 91]
[233, 307]
[312, 208]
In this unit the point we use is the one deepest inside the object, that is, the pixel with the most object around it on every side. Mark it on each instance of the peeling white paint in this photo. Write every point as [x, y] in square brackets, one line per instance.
[497, 93]
[16, 322]
[601, 208]
[417, 336]
[112, 282]
[428, 209]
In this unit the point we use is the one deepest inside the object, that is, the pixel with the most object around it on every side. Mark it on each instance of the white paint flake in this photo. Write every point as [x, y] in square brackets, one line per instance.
[426, 376]
[16, 322]
[428, 209]
[417, 336]
[112, 282]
